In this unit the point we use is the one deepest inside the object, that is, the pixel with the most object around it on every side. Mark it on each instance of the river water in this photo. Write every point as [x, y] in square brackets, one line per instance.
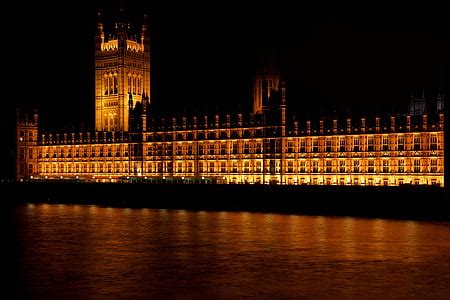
[74, 251]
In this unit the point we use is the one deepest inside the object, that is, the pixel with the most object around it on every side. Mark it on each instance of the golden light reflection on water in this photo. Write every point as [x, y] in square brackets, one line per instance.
[320, 230]
[158, 253]
[411, 239]
[349, 239]
[92, 209]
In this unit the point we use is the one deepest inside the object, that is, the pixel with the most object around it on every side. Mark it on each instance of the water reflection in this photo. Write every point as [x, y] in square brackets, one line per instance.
[91, 251]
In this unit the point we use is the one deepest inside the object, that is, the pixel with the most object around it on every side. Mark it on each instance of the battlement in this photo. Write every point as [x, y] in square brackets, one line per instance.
[111, 45]
[27, 118]
[270, 145]
[122, 68]
[322, 125]
[251, 125]
[134, 46]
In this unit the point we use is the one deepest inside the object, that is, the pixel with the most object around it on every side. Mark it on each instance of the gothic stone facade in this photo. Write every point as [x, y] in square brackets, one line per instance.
[266, 146]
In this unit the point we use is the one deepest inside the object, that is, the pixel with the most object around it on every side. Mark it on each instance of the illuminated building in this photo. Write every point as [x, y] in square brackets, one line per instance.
[265, 146]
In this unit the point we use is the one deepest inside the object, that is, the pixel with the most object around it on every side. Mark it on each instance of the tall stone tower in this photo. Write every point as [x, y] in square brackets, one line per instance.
[26, 141]
[267, 80]
[122, 73]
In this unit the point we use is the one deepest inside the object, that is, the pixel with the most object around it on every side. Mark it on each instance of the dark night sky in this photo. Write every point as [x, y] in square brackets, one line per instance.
[333, 55]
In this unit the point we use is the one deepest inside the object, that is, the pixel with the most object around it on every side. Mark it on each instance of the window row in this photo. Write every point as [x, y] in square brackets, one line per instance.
[80, 152]
[135, 86]
[365, 143]
[110, 84]
[269, 166]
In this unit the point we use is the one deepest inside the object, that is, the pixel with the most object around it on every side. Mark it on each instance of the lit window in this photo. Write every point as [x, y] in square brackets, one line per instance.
[385, 143]
[401, 143]
[356, 144]
[370, 143]
[385, 166]
[417, 165]
[417, 143]
[433, 142]
[401, 166]
[342, 144]
[433, 166]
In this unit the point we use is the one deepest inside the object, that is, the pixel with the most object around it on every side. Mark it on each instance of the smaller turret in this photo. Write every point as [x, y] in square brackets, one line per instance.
[100, 34]
[144, 112]
[27, 134]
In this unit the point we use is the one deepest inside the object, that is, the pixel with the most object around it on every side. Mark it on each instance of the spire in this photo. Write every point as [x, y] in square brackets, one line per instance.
[145, 34]
[122, 9]
[144, 25]
[268, 64]
[283, 92]
[100, 33]
[144, 104]
[130, 100]
[122, 25]
[99, 23]
[145, 20]
[35, 116]
[99, 17]
[440, 100]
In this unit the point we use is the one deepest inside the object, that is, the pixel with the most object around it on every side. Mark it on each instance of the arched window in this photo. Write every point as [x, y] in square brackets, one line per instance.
[129, 84]
[106, 120]
[115, 84]
[139, 86]
[105, 84]
[111, 89]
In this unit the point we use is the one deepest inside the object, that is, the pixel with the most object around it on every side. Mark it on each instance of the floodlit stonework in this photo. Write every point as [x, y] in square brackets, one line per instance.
[267, 146]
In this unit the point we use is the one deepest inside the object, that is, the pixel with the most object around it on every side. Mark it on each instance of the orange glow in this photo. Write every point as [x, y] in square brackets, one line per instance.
[230, 150]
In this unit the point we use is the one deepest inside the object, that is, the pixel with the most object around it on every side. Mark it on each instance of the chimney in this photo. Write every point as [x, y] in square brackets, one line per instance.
[335, 125]
[35, 116]
[174, 123]
[216, 121]
[194, 121]
[424, 122]
[377, 124]
[252, 119]
[392, 123]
